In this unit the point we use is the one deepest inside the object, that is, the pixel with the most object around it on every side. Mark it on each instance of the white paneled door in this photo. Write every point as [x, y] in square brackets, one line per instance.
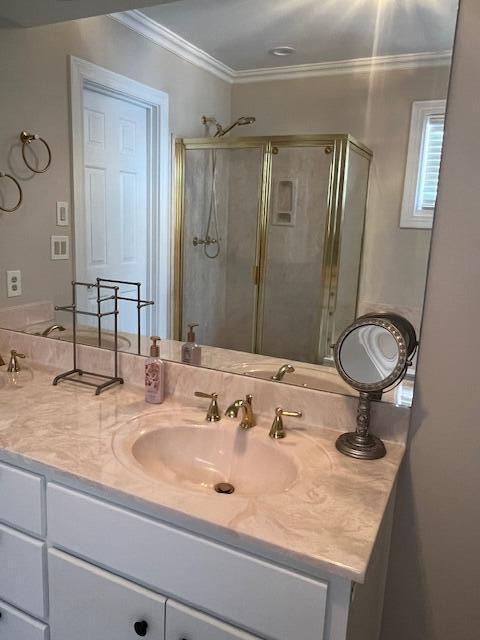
[114, 224]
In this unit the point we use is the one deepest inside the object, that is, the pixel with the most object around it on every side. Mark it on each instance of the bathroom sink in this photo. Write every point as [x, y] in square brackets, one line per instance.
[323, 378]
[85, 335]
[202, 456]
[311, 381]
[89, 337]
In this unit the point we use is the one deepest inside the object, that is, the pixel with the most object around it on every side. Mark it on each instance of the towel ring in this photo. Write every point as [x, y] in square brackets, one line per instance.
[20, 193]
[28, 138]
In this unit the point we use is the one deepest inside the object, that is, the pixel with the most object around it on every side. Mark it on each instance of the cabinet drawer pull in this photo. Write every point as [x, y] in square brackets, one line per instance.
[141, 628]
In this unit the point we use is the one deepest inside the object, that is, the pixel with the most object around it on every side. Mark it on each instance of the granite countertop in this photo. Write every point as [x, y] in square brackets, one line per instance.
[327, 521]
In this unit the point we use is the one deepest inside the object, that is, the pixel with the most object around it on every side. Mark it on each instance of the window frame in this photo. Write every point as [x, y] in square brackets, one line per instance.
[410, 216]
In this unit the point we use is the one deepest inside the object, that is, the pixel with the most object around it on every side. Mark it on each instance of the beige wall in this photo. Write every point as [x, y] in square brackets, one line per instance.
[34, 82]
[376, 109]
[433, 591]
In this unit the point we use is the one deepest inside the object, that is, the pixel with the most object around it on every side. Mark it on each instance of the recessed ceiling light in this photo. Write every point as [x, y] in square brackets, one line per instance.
[282, 51]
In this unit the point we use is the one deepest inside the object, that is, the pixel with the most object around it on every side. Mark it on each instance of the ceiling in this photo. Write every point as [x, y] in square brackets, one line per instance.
[240, 33]
[30, 13]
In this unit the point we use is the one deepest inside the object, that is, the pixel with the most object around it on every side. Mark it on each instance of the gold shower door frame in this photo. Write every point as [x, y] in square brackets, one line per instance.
[339, 146]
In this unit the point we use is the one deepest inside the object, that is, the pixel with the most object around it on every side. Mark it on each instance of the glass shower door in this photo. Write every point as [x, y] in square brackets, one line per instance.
[292, 302]
[220, 244]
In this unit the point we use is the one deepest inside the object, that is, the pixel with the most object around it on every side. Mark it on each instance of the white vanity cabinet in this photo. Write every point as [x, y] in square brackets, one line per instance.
[22, 571]
[22, 557]
[113, 574]
[87, 602]
[184, 623]
[16, 625]
[21, 500]
[232, 585]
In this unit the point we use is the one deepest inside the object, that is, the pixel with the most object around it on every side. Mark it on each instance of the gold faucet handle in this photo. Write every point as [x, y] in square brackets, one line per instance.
[277, 429]
[291, 414]
[249, 401]
[13, 365]
[213, 413]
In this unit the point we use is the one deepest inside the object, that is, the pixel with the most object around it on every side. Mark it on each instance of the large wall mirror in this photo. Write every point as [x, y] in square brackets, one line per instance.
[266, 170]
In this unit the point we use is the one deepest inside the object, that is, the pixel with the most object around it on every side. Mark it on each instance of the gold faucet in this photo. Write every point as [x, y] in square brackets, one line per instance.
[285, 368]
[277, 430]
[53, 327]
[213, 414]
[13, 366]
[248, 420]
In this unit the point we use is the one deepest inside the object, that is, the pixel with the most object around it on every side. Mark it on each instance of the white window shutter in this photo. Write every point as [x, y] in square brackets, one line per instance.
[423, 164]
[431, 156]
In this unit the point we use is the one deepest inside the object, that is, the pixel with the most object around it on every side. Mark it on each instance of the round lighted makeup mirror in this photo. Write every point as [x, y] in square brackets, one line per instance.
[372, 355]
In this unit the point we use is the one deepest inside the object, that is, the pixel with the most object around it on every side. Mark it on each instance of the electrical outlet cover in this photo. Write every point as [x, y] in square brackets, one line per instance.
[14, 284]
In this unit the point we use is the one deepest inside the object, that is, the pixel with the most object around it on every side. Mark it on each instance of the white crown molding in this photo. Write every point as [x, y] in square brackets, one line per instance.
[142, 24]
[338, 67]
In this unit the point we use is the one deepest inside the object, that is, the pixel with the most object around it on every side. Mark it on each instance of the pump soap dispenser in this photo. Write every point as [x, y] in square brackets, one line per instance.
[191, 352]
[154, 374]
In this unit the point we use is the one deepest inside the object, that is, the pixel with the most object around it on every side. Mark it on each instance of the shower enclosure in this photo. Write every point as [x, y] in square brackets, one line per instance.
[269, 240]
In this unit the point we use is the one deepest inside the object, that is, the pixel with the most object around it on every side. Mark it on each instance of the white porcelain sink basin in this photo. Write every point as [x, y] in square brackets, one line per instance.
[202, 456]
[85, 335]
[303, 379]
[89, 337]
[323, 378]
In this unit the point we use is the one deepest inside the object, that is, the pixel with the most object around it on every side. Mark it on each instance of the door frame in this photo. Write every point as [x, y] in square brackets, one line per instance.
[83, 75]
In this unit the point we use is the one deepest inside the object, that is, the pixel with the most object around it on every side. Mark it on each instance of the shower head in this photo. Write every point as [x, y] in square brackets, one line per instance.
[240, 122]
[245, 120]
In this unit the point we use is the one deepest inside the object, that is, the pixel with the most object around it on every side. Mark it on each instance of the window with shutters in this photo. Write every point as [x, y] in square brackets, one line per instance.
[423, 164]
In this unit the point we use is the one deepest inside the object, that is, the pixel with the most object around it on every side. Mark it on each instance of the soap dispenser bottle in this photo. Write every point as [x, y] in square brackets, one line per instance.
[191, 352]
[154, 374]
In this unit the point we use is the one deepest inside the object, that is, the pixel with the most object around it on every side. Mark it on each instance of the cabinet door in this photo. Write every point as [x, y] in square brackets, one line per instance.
[15, 624]
[183, 623]
[22, 571]
[21, 496]
[86, 602]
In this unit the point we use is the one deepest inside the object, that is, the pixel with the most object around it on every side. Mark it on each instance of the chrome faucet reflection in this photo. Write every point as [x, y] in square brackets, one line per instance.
[49, 330]
[248, 420]
[285, 368]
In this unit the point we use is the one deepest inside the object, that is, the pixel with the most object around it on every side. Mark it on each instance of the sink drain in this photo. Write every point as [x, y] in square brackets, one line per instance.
[224, 487]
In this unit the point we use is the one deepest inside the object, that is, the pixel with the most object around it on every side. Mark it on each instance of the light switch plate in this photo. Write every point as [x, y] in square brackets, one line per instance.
[60, 247]
[14, 284]
[63, 214]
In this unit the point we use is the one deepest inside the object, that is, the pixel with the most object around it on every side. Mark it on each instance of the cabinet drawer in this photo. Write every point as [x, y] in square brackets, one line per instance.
[86, 602]
[17, 625]
[21, 571]
[183, 622]
[21, 499]
[234, 586]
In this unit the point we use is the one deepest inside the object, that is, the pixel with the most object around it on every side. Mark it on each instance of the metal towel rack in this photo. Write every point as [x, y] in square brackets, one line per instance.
[76, 374]
[20, 192]
[26, 139]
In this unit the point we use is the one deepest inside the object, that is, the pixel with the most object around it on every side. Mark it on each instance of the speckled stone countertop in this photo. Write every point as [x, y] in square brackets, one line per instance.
[327, 521]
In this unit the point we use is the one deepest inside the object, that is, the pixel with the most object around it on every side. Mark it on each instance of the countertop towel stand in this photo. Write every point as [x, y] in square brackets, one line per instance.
[138, 300]
[76, 374]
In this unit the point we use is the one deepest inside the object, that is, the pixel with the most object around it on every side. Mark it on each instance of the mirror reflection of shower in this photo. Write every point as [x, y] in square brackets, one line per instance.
[211, 241]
